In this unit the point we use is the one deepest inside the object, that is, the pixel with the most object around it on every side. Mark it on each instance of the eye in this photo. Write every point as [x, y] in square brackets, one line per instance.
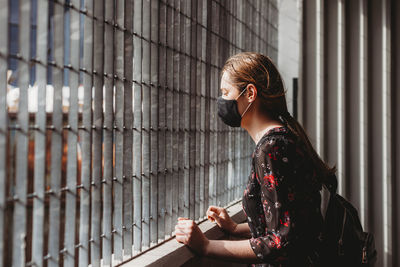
[224, 91]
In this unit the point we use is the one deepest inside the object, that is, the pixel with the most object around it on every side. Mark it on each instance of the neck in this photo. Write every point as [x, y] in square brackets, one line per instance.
[259, 125]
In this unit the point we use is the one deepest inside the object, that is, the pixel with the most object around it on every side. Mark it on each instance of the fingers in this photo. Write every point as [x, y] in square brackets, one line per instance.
[185, 222]
[213, 213]
[180, 236]
[179, 230]
[212, 216]
[215, 209]
[183, 232]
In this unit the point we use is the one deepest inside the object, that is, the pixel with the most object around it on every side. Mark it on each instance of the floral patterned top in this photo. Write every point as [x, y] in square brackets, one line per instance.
[282, 201]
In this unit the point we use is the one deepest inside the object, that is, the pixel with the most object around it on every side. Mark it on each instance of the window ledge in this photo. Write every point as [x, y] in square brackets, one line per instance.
[173, 253]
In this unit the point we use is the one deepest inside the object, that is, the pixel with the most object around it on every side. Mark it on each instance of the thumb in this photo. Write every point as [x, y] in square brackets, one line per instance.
[215, 217]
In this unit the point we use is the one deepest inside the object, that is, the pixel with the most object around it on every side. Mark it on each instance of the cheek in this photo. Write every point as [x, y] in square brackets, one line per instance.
[241, 106]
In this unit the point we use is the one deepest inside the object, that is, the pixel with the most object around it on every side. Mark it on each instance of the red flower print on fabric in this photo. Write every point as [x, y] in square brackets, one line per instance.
[286, 219]
[272, 182]
[281, 180]
[272, 154]
[276, 241]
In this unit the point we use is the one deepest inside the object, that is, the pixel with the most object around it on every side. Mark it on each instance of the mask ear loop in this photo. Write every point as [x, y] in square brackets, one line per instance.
[240, 94]
[246, 109]
[247, 106]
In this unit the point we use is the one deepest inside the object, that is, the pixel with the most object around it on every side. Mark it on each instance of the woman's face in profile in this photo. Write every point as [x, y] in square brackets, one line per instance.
[228, 90]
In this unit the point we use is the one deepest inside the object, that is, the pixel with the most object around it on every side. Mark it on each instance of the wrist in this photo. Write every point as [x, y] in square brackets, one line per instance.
[234, 228]
[206, 247]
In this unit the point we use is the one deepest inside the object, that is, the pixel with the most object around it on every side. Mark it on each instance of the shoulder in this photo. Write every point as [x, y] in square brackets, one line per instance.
[280, 151]
[278, 139]
[276, 156]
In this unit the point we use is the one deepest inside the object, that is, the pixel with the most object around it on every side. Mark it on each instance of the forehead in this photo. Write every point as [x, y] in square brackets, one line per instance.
[226, 82]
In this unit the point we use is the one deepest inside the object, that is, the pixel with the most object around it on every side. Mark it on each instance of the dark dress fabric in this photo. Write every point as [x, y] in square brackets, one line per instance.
[282, 201]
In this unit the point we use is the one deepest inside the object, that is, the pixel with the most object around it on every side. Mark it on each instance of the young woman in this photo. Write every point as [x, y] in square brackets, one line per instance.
[282, 198]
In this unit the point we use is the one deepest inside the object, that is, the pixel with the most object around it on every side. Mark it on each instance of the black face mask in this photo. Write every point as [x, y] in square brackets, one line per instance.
[228, 111]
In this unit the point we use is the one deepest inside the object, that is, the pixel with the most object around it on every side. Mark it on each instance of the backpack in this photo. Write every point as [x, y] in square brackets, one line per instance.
[342, 241]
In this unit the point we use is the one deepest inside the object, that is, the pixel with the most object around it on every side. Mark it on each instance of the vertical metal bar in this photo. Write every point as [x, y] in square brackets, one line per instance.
[258, 24]
[319, 77]
[232, 132]
[201, 86]
[146, 24]
[137, 134]
[185, 48]
[128, 123]
[207, 85]
[395, 120]
[154, 91]
[196, 31]
[224, 55]
[219, 125]
[191, 101]
[176, 203]
[310, 81]
[108, 131]
[236, 131]
[162, 114]
[97, 142]
[250, 23]
[363, 99]
[264, 26]
[19, 221]
[228, 163]
[231, 143]
[334, 83]
[386, 136]
[72, 168]
[269, 27]
[184, 115]
[119, 180]
[40, 135]
[214, 82]
[246, 33]
[212, 117]
[224, 44]
[169, 178]
[85, 136]
[4, 14]
[56, 136]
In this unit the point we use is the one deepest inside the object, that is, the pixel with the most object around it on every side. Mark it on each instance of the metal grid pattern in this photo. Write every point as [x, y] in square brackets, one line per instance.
[114, 131]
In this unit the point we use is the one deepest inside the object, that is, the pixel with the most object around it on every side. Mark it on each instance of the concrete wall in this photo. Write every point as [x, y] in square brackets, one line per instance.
[289, 29]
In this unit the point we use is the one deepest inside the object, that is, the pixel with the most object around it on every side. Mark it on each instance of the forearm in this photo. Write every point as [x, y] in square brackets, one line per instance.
[238, 251]
[243, 230]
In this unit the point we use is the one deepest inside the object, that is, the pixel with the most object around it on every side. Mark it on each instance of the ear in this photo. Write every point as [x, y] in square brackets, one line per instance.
[251, 92]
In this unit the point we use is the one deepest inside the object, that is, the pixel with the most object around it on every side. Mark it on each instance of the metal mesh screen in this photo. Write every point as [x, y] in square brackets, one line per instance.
[108, 124]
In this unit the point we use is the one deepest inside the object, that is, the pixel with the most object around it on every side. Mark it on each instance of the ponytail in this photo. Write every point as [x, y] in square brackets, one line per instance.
[326, 173]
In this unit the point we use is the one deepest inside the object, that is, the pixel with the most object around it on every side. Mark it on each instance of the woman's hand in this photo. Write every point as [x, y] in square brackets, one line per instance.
[222, 218]
[188, 233]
